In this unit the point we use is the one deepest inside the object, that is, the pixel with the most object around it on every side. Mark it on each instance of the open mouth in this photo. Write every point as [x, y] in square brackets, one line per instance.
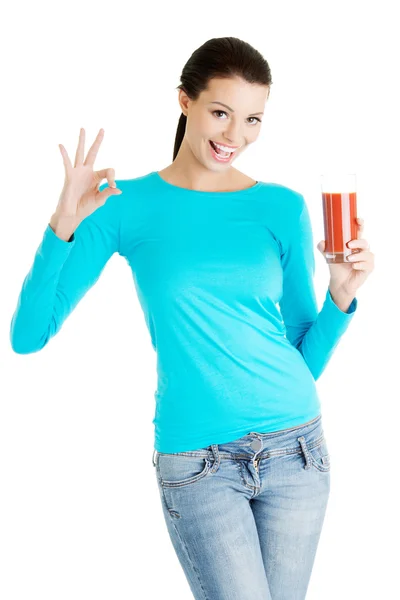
[221, 153]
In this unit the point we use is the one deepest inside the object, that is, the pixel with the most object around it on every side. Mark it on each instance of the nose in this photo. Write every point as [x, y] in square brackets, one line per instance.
[233, 134]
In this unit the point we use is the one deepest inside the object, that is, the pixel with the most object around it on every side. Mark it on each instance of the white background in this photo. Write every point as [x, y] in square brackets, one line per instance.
[80, 514]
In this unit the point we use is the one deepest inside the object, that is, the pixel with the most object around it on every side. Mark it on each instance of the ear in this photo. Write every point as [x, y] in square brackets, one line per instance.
[183, 100]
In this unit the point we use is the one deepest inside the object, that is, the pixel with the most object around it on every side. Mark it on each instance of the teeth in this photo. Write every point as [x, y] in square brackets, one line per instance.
[224, 148]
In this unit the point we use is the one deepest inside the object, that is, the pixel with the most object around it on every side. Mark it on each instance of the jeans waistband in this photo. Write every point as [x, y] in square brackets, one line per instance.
[255, 440]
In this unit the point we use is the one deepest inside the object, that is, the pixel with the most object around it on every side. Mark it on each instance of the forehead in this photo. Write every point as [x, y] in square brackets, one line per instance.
[236, 93]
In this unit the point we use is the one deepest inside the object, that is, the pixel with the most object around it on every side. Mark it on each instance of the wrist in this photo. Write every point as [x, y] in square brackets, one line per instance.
[341, 298]
[63, 227]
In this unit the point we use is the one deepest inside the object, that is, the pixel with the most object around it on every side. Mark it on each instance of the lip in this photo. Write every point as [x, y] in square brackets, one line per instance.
[217, 158]
[226, 145]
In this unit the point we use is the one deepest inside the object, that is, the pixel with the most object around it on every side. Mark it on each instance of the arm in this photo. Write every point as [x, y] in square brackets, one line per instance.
[341, 300]
[63, 270]
[315, 334]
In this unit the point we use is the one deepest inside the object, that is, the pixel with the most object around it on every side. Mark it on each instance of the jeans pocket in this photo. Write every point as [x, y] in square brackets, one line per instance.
[318, 453]
[177, 470]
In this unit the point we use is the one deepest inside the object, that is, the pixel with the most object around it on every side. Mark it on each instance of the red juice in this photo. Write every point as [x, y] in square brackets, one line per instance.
[340, 224]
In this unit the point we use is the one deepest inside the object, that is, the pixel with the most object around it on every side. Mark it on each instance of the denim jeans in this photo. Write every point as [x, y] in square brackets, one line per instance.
[245, 517]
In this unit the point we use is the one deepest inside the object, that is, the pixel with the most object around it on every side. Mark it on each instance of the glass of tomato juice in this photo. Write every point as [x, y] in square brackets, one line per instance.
[339, 205]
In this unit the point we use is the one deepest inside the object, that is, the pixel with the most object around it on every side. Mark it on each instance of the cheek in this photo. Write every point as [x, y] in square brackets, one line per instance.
[202, 124]
[200, 132]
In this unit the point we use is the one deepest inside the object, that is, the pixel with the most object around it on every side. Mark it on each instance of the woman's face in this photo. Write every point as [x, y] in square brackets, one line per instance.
[229, 112]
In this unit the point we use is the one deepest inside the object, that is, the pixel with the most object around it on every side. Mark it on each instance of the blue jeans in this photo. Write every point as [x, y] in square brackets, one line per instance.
[245, 517]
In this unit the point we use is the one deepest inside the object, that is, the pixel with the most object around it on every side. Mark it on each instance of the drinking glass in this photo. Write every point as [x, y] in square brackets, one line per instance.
[339, 204]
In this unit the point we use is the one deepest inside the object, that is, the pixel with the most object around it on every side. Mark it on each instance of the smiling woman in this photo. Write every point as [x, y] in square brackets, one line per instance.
[223, 91]
[242, 464]
[212, 139]
[240, 374]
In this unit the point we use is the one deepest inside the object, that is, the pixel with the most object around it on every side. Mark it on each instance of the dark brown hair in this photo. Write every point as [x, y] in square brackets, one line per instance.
[223, 57]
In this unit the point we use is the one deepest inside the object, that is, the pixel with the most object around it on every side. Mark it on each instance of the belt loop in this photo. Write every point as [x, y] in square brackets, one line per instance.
[214, 448]
[303, 445]
[154, 454]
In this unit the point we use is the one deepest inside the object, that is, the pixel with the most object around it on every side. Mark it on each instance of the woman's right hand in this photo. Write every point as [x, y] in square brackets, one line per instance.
[80, 195]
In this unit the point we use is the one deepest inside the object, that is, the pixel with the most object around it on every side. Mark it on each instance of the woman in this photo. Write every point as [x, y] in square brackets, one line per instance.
[240, 456]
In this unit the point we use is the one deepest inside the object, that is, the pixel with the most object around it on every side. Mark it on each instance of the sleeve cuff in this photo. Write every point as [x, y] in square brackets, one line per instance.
[350, 311]
[53, 250]
[333, 322]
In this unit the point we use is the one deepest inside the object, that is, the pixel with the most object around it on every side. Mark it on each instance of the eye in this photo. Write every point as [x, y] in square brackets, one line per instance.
[219, 111]
[256, 118]
[224, 113]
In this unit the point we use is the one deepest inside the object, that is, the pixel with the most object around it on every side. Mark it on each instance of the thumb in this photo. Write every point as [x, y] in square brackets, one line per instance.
[321, 246]
[102, 197]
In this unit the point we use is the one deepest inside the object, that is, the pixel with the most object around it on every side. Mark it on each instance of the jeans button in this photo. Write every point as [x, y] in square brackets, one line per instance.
[256, 444]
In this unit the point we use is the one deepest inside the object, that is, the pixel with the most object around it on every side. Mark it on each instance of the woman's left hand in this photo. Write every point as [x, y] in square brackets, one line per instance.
[349, 276]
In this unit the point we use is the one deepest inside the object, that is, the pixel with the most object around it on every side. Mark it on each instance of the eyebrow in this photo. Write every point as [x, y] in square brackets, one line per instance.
[231, 109]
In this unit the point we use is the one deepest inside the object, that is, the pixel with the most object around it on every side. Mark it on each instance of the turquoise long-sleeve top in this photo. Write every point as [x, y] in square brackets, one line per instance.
[225, 282]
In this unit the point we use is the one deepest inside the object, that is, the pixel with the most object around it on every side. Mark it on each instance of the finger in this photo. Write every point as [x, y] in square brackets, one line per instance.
[111, 178]
[363, 265]
[80, 148]
[108, 174]
[66, 160]
[91, 155]
[358, 243]
[102, 197]
[359, 256]
[360, 226]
